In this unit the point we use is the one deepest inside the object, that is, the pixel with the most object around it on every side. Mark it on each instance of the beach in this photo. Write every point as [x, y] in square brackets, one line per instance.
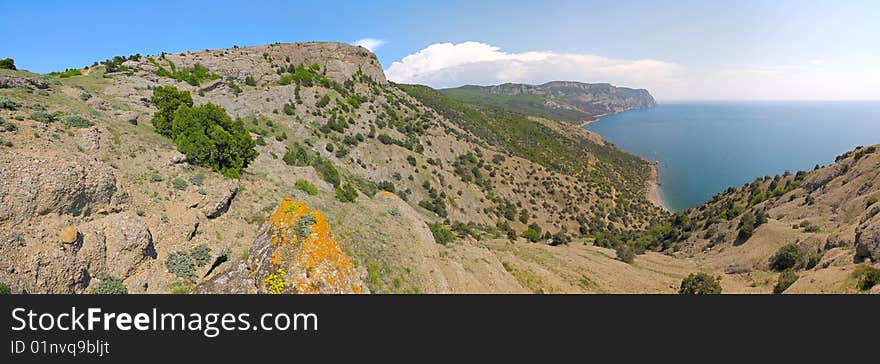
[654, 187]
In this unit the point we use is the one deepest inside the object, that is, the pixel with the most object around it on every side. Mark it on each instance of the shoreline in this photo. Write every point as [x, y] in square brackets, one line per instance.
[654, 187]
[595, 119]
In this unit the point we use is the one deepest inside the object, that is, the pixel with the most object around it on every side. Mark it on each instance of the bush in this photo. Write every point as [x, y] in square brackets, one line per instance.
[110, 285]
[786, 279]
[289, 109]
[179, 183]
[4, 289]
[531, 235]
[787, 257]
[155, 177]
[346, 192]
[44, 116]
[625, 253]
[298, 156]
[386, 186]
[700, 283]
[201, 255]
[442, 235]
[180, 286]
[76, 121]
[209, 137]
[7, 125]
[7, 64]
[867, 276]
[326, 171]
[249, 80]
[168, 99]
[8, 104]
[181, 264]
[411, 160]
[306, 187]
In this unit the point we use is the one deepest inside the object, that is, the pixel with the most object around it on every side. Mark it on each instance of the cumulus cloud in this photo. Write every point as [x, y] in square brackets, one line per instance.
[449, 65]
[370, 43]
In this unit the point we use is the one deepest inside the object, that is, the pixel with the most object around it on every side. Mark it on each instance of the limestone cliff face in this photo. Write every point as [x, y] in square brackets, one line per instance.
[589, 98]
[338, 61]
[294, 252]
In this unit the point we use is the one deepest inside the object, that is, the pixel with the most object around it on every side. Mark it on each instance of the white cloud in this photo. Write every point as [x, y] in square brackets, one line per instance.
[370, 43]
[448, 65]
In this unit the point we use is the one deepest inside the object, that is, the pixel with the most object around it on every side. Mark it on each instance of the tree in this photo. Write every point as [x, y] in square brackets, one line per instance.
[442, 235]
[789, 256]
[7, 64]
[208, 136]
[346, 193]
[168, 99]
[625, 253]
[700, 283]
[786, 279]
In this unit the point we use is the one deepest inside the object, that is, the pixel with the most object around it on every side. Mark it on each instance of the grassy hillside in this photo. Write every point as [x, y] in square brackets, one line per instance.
[523, 104]
[616, 175]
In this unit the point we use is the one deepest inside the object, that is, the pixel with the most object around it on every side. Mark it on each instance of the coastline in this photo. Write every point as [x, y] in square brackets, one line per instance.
[654, 187]
[595, 119]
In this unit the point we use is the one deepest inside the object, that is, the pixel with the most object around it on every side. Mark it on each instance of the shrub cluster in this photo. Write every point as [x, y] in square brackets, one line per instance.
[306, 187]
[700, 283]
[206, 134]
[442, 235]
[183, 263]
[110, 285]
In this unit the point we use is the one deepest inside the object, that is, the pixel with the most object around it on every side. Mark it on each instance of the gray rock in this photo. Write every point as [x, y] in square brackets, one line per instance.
[63, 183]
[116, 245]
[14, 81]
[219, 206]
[868, 241]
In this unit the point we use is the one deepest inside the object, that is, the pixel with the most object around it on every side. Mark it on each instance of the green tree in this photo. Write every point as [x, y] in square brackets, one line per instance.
[700, 283]
[346, 193]
[208, 136]
[168, 99]
[7, 64]
[442, 235]
[789, 256]
[786, 279]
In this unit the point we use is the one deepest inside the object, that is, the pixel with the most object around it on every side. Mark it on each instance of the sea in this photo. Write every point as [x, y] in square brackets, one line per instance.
[702, 148]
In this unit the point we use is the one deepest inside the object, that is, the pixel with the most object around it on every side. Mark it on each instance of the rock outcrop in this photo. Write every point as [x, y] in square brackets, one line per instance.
[868, 241]
[71, 184]
[294, 252]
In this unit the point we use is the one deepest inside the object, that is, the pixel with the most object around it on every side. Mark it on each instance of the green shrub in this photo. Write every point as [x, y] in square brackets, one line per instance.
[867, 276]
[7, 64]
[155, 177]
[304, 226]
[85, 96]
[326, 171]
[531, 235]
[76, 121]
[234, 87]
[386, 186]
[249, 80]
[786, 279]
[346, 192]
[442, 235]
[179, 183]
[625, 253]
[700, 283]
[110, 285]
[411, 160]
[7, 125]
[193, 76]
[871, 200]
[181, 264]
[8, 104]
[209, 137]
[180, 286]
[298, 156]
[4, 289]
[787, 257]
[289, 109]
[306, 187]
[44, 116]
[67, 73]
[168, 99]
[201, 255]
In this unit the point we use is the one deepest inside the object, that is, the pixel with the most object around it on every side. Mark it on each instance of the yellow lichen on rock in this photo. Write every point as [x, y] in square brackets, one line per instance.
[306, 255]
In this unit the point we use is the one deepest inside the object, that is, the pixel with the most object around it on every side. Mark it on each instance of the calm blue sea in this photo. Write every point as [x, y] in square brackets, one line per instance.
[704, 147]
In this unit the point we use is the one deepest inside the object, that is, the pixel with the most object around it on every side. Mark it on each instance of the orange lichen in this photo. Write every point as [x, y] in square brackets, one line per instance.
[309, 254]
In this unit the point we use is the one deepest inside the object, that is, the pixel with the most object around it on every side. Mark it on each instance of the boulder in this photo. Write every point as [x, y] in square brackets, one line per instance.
[219, 205]
[295, 251]
[60, 182]
[868, 241]
[68, 235]
[116, 245]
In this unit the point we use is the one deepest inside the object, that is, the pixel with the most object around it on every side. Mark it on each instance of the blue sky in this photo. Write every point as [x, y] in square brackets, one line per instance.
[676, 49]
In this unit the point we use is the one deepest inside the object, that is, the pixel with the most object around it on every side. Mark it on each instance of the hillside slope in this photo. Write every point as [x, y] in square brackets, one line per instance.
[96, 195]
[574, 102]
